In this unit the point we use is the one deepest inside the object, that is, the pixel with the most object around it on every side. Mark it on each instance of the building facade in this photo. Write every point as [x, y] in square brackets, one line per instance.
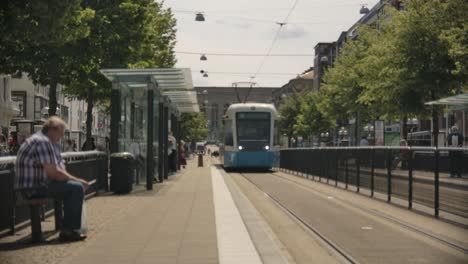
[215, 100]
[8, 108]
[303, 82]
[22, 101]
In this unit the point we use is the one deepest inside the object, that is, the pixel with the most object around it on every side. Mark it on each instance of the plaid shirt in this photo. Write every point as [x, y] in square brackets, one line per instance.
[36, 151]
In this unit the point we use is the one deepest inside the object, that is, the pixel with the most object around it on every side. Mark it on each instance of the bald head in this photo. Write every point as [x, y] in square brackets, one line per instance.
[54, 128]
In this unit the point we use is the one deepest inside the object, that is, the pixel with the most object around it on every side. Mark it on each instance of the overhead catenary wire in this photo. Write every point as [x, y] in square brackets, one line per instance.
[249, 73]
[267, 21]
[245, 54]
[275, 38]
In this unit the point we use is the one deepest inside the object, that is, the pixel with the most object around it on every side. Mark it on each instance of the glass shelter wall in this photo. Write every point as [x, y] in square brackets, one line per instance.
[133, 127]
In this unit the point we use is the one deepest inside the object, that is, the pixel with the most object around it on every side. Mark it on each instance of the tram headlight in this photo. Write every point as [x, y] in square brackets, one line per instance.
[267, 147]
[240, 147]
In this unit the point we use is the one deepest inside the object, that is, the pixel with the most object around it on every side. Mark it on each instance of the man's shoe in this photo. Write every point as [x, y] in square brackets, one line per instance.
[71, 236]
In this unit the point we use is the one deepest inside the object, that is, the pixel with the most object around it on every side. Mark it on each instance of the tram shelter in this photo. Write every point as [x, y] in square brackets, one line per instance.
[145, 105]
[458, 106]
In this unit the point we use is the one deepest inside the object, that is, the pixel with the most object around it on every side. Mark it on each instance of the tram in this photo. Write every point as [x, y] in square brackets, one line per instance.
[250, 137]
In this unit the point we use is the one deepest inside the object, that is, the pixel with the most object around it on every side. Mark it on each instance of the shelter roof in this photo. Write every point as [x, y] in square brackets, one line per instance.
[456, 102]
[173, 83]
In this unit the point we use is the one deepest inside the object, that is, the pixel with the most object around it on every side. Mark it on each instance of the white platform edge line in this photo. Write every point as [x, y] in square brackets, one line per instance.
[233, 239]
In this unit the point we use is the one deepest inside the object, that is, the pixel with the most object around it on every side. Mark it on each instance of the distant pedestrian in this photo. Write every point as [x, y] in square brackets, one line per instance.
[183, 160]
[455, 140]
[74, 146]
[13, 145]
[363, 142]
[68, 146]
[40, 171]
[403, 156]
[172, 151]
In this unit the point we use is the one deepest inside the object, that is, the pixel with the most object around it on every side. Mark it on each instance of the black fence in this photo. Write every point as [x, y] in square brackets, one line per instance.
[419, 175]
[89, 165]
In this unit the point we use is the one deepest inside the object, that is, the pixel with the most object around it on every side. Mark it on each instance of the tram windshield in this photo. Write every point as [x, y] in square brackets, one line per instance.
[253, 126]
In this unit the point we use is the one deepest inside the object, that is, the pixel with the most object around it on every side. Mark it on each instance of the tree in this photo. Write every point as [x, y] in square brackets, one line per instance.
[398, 64]
[36, 37]
[193, 127]
[342, 88]
[311, 121]
[124, 34]
[420, 56]
[289, 110]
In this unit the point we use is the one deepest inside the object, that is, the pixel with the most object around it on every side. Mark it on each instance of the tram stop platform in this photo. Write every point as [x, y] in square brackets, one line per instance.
[205, 215]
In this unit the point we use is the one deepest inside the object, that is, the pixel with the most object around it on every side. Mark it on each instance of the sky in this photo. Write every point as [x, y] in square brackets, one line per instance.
[249, 27]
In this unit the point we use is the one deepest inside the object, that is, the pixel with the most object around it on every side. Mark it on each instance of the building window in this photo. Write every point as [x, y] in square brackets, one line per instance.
[20, 98]
[39, 104]
[64, 113]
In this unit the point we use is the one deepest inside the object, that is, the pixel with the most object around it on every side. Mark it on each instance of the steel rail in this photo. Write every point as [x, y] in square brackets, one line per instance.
[408, 226]
[344, 256]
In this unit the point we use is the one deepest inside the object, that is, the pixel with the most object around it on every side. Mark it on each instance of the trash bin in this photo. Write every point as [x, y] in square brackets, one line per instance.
[122, 167]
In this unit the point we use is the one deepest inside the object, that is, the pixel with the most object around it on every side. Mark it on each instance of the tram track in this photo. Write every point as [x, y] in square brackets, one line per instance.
[327, 241]
[341, 253]
[391, 219]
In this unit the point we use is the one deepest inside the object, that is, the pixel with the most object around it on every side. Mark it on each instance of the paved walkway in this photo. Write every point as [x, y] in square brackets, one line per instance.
[177, 225]
[178, 222]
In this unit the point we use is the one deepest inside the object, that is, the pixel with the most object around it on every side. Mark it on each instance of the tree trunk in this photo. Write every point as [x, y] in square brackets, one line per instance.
[52, 99]
[404, 127]
[289, 141]
[89, 114]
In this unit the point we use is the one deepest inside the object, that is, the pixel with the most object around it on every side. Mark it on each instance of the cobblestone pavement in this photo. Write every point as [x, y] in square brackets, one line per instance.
[103, 213]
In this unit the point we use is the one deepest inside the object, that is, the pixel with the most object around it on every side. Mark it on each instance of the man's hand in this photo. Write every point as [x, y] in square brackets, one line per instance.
[86, 184]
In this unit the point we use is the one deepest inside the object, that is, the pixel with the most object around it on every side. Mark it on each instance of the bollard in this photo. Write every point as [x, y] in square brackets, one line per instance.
[200, 160]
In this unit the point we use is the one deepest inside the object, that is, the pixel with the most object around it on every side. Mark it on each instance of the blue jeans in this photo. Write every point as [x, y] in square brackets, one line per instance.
[72, 193]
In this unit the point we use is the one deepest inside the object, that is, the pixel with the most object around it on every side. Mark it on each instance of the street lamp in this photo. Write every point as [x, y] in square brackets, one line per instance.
[369, 129]
[324, 136]
[364, 10]
[324, 60]
[205, 73]
[199, 17]
[343, 133]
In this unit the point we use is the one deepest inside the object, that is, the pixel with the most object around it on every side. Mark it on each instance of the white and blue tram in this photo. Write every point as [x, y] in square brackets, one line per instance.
[250, 137]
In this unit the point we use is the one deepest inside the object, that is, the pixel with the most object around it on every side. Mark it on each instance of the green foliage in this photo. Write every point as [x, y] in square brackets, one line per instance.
[124, 34]
[412, 57]
[26, 25]
[193, 127]
[36, 40]
[289, 111]
[311, 121]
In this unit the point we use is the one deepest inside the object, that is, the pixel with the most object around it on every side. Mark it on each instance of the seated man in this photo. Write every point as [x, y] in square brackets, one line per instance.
[40, 170]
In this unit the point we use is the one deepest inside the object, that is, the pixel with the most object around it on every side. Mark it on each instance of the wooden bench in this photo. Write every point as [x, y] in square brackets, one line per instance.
[35, 207]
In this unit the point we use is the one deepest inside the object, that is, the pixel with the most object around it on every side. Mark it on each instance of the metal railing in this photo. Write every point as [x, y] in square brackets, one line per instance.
[89, 165]
[419, 175]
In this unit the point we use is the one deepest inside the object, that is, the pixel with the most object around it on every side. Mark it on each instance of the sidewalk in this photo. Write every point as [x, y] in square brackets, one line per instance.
[175, 225]
[177, 222]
